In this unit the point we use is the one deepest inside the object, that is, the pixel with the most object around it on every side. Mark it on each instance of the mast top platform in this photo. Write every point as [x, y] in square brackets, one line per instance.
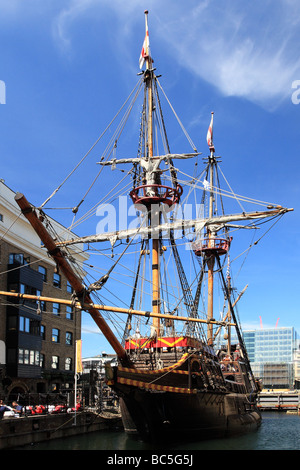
[216, 246]
[148, 194]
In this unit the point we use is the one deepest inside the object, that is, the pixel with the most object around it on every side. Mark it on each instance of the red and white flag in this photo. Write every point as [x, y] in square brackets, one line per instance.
[145, 50]
[146, 45]
[209, 136]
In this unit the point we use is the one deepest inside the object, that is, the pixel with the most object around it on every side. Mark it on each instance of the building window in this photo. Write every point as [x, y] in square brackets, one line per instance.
[69, 313]
[31, 357]
[69, 288]
[43, 271]
[37, 358]
[25, 289]
[41, 303]
[43, 332]
[56, 280]
[24, 324]
[16, 258]
[42, 361]
[69, 338]
[55, 335]
[35, 327]
[26, 356]
[1, 217]
[56, 308]
[55, 362]
[21, 356]
[68, 363]
[27, 325]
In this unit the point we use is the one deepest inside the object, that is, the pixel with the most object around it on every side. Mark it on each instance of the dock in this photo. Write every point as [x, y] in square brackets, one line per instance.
[279, 401]
[17, 432]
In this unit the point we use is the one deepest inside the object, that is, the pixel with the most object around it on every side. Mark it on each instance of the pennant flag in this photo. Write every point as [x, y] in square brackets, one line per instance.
[209, 136]
[78, 356]
[144, 51]
[146, 44]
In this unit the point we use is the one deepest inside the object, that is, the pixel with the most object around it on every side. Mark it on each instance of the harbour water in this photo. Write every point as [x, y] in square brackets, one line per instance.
[279, 431]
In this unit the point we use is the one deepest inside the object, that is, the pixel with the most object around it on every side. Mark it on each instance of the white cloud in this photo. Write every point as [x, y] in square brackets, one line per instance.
[77, 10]
[244, 49]
[88, 325]
[91, 330]
[249, 52]
[66, 17]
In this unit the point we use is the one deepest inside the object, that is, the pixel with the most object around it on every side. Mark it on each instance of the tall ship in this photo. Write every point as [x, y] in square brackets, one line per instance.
[183, 369]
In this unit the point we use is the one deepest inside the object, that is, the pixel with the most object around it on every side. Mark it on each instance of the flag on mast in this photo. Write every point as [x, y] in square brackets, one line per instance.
[144, 53]
[209, 136]
[146, 45]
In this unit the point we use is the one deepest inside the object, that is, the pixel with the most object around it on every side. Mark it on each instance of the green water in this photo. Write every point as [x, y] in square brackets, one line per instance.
[279, 431]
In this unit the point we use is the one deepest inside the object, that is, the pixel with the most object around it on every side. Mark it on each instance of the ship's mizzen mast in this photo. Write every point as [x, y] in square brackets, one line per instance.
[212, 251]
[211, 248]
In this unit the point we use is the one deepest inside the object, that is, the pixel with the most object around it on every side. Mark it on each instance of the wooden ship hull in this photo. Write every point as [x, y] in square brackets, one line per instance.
[203, 415]
[193, 395]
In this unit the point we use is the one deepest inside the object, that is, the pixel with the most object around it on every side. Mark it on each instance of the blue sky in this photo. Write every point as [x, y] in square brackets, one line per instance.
[68, 65]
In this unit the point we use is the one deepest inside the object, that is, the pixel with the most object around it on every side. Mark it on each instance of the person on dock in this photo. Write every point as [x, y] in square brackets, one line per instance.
[17, 408]
[3, 408]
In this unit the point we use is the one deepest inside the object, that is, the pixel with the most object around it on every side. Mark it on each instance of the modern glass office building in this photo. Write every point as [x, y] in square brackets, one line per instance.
[271, 355]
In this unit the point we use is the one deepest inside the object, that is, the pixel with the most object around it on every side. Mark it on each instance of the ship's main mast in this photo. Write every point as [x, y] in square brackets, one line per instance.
[211, 260]
[155, 241]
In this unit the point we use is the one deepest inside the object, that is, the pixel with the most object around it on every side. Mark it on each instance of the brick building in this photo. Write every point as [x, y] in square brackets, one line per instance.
[37, 339]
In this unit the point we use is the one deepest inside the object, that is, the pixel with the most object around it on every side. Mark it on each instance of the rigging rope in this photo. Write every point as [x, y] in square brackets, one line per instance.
[8, 229]
[92, 147]
[222, 192]
[179, 122]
